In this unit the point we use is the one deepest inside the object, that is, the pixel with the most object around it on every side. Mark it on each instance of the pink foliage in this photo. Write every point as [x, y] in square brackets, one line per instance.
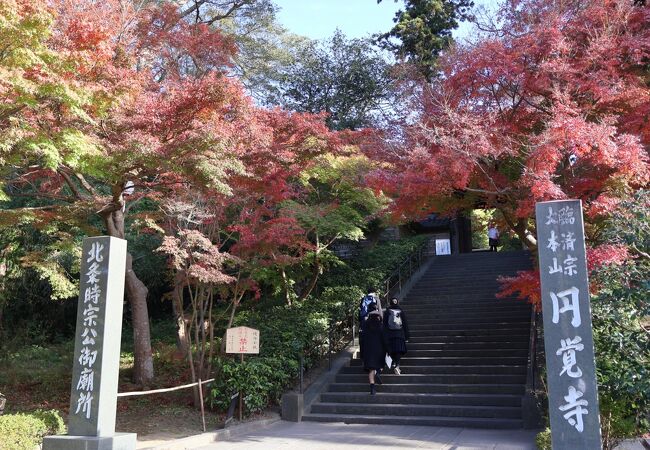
[194, 255]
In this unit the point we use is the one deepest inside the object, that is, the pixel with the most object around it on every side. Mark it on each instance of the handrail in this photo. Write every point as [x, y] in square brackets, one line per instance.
[532, 354]
[403, 273]
[531, 405]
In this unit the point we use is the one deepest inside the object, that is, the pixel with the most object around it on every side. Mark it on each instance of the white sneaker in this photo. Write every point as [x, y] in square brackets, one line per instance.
[397, 370]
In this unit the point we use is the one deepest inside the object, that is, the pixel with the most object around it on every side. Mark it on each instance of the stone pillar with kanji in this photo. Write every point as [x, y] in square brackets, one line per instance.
[568, 340]
[96, 360]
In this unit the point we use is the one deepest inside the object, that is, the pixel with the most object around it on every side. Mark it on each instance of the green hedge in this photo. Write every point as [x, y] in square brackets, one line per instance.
[261, 379]
[285, 333]
[25, 431]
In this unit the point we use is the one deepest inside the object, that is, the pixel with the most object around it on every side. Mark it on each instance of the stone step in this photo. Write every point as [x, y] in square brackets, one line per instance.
[423, 399]
[467, 353]
[470, 308]
[452, 312]
[432, 388]
[421, 320]
[475, 332]
[469, 325]
[464, 422]
[457, 339]
[459, 301]
[508, 412]
[501, 345]
[466, 378]
[457, 361]
[457, 292]
[447, 369]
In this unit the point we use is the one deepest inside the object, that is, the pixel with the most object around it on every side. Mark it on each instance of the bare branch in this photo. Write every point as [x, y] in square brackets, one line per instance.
[73, 187]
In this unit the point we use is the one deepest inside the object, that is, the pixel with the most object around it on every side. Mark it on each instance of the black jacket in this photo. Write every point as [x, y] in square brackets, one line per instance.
[374, 345]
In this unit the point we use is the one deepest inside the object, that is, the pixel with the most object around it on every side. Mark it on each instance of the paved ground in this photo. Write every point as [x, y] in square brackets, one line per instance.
[317, 436]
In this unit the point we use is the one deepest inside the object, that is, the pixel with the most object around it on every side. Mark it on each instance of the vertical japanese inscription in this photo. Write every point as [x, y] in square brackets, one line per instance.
[573, 397]
[97, 339]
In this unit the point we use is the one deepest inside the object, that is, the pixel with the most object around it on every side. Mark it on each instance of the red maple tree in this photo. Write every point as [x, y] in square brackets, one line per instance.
[551, 105]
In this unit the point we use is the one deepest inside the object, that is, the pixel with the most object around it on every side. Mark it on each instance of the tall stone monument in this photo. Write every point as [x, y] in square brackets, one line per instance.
[568, 340]
[93, 401]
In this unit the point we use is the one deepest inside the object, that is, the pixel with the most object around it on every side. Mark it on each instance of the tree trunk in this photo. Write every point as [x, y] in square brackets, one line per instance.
[136, 293]
[315, 273]
[522, 232]
[526, 236]
[314, 278]
[179, 315]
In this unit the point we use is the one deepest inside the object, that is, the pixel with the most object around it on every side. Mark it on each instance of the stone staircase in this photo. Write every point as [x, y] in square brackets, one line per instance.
[466, 364]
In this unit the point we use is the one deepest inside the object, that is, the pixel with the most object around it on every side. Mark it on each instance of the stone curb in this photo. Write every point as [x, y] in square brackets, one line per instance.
[199, 440]
[634, 444]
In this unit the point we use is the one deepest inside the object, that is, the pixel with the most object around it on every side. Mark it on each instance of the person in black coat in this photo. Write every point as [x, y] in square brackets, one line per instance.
[397, 333]
[374, 348]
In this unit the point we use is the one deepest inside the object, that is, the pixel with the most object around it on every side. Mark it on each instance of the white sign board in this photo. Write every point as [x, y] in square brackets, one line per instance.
[242, 340]
[443, 247]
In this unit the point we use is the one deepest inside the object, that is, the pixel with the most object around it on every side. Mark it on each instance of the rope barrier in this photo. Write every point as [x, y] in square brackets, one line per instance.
[158, 391]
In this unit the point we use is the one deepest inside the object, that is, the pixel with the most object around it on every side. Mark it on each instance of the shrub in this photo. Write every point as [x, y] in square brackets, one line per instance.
[543, 439]
[52, 420]
[622, 344]
[261, 379]
[26, 431]
[372, 266]
[279, 335]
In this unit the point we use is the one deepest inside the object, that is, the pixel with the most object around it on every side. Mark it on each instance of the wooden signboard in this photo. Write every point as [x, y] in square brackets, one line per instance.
[242, 340]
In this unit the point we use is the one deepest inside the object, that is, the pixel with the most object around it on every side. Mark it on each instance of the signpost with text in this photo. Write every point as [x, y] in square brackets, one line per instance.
[242, 340]
[96, 359]
[571, 369]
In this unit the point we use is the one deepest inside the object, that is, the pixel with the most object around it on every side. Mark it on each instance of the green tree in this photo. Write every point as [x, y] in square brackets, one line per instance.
[345, 78]
[83, 113]
[423, 30]
[334, 206]
[265, 49]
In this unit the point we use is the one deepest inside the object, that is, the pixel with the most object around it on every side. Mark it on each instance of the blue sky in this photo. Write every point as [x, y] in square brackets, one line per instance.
[318, 19]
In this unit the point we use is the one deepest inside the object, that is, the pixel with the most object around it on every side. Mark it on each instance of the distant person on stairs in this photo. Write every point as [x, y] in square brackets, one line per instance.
[397, 333]
[493, 236]
[374, 344]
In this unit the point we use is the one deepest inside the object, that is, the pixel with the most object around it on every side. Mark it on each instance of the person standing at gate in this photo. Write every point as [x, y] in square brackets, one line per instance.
[375, 347]
[397, 333]
[493, 236]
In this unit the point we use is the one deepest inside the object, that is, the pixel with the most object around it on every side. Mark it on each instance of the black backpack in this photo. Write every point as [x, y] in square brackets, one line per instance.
[368, 303]
[394, 319]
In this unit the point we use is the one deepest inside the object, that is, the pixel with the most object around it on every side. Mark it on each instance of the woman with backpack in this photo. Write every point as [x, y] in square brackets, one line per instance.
[397, 333]
[374, 346]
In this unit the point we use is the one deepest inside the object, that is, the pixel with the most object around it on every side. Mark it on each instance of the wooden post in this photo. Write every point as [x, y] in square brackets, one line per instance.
[241, 340]
[241, 395]
[202, 408]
